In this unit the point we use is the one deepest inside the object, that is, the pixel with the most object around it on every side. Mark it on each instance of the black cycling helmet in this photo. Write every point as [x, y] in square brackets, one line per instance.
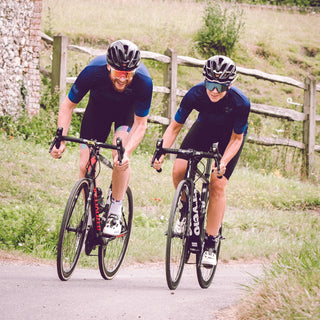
[219, 69]
[123, 55]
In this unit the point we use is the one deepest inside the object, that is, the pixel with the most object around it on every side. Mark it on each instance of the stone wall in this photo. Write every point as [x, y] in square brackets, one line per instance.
[20, 23]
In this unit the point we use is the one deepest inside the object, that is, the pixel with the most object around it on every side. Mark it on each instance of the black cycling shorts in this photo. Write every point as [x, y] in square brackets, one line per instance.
[201, 137]
[97, 125]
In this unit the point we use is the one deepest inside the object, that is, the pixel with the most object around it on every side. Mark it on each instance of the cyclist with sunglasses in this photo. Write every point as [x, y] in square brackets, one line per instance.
[120, 89]
[223, 112]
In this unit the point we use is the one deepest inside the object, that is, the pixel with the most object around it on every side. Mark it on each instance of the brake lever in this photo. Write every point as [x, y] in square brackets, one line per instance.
[158, 153]
[57, 139]
[120, 150]
[217, 158]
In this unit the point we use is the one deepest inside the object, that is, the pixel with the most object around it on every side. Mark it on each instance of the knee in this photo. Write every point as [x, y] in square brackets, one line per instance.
[84, 157]
[123, 169]
[217, 188]
[82, 168]
[178, 171]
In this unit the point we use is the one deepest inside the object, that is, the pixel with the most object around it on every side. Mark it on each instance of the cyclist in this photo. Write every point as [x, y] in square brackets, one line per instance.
[120, 92]
[223, 112]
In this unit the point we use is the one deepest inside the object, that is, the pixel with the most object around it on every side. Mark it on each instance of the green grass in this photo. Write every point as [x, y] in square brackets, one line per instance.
[268, 217]
[276, 42]
[289, 288]
[273, 41]
[34, 189]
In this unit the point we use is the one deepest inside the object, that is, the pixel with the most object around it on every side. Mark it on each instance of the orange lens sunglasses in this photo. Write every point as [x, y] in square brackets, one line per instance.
[118, 74]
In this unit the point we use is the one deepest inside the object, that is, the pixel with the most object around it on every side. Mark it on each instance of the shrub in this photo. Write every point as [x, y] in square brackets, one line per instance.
[221, 29]
[41, 127]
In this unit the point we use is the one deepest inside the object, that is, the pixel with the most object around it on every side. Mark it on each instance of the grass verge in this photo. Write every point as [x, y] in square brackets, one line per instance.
[268, 217]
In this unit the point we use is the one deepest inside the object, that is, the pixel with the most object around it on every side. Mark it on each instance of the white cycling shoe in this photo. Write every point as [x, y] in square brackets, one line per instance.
[113, 225]
[180, 226]
[209, 258]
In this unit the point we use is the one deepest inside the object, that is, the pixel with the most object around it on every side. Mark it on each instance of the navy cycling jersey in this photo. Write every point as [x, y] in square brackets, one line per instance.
[229, 113]
[95, 78]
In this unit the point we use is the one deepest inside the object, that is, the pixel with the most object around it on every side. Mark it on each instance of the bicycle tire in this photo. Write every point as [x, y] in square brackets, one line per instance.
[111, 255]
[176, 246]
[72, 230]
[204, 274]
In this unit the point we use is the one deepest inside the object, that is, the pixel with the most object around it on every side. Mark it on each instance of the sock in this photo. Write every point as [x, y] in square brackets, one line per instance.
[116, 207]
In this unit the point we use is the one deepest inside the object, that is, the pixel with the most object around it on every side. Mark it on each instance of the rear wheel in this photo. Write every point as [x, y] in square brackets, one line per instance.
[205, 274]
[72, 230]
[111, 255]
[177, 236]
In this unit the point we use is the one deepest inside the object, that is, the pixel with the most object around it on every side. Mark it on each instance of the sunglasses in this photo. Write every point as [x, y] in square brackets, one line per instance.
[120, 74]
[213, 85]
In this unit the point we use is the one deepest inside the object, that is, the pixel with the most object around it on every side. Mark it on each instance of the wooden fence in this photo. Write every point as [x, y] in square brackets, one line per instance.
[309, 86]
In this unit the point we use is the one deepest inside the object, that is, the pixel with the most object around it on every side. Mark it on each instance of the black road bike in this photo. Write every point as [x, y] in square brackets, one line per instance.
[84, 219]
[194, 190]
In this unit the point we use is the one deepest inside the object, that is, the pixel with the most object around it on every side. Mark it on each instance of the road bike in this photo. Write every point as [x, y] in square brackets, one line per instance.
[194, 190]
[84, 216]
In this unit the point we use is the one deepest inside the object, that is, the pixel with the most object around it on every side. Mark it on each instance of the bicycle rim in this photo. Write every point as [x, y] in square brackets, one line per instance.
[205, 274]
[111, 255]
[176, 241]
[72, 230]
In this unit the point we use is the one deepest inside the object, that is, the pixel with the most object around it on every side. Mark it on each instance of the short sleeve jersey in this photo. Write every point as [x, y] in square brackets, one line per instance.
[229, 113]
[95, 78]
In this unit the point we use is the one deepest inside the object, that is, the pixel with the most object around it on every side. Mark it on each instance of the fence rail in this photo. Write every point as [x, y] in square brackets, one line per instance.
[169, 88]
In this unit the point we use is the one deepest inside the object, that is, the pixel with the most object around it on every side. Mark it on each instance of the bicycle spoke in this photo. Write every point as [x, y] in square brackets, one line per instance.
[112, 254]
[177, 237]
[205, 274]
[72, 231]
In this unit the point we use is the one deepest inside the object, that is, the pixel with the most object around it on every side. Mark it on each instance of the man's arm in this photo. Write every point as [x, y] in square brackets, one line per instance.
[65, 115]
[232, 147]
[136, 134]
[171, 133]
[231, 150]
[64, 120]
[169, 137]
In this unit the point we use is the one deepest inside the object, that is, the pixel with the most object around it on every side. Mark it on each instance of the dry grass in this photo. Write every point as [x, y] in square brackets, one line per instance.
[278, 42]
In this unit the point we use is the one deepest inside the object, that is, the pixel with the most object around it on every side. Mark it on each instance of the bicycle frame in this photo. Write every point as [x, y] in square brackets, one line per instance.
[82, 209]
[94, 157]
[192, 170]
[198, 212]
[192, 236]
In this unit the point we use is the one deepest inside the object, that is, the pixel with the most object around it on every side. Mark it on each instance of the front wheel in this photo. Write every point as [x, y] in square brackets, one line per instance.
[111, 255]
[177, 235]
[205, 274]
[72, 230]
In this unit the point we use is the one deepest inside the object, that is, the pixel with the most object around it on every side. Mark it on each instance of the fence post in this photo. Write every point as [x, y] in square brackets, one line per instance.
[170, 81]
[59, 66]
[309, 125]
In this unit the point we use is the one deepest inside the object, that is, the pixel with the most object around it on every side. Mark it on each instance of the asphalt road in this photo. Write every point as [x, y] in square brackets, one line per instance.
[33, 291]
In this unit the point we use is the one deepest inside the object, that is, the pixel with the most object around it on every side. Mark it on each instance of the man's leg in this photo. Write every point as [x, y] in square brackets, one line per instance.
[120, 182]
[120, 176]
[84, 157]
[217, 204]
[179, 170]
[215, 214]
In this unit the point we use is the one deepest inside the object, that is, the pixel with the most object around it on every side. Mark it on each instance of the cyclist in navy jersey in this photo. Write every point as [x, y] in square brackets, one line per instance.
[120, 89]
[223, 117]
